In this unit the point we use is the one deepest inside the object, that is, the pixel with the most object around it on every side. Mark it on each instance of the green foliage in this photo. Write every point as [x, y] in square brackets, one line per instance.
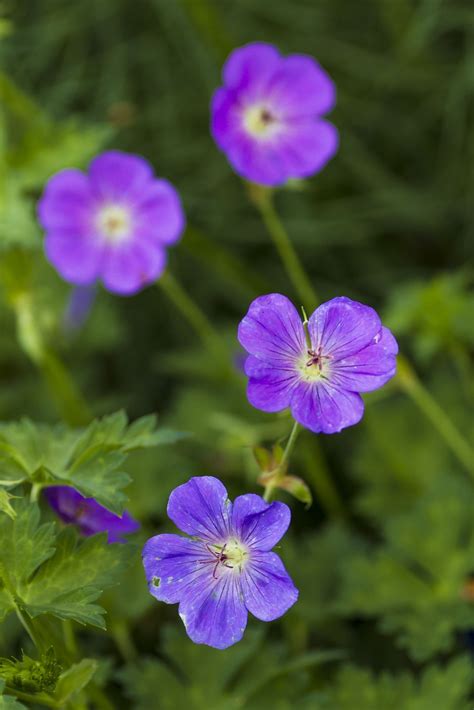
[45, 573]
[439, 687]
[416, 581]
[246, 675]
[90, 459]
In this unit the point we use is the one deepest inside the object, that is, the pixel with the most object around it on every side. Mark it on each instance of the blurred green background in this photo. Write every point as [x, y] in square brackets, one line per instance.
[384, 556]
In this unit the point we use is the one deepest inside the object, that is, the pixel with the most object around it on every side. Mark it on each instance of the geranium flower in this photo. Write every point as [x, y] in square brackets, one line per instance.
[267, 116]
[226, 568]
[89, 516]
[113, 224]
[317, 375]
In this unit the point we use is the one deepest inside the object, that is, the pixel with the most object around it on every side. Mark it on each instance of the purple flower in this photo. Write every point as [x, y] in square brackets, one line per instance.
[88, 515]
[317, 375]
[112, 224]
[267, 116]
[226, 568]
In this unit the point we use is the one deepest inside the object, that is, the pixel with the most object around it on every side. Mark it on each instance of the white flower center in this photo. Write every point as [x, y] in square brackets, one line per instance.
[315, 366]
[260, 121]
[114, 223]
[232, 556]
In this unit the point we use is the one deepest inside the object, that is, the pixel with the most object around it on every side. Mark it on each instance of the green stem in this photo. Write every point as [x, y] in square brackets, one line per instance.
[70, 638]
[124, 641]
[424, 400]
[34, 699]
[69, 400]
[196, 318]
[263, 200]
[280, 471]
[318, 475]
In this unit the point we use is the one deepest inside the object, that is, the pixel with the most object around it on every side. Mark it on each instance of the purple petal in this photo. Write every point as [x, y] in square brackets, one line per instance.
[342, 327]
[300, 87]
[129, 267]
[370, 368]
[159, 215]
[269, 388]
[267, 588]
[202, 508]
[306, 146]
[272, 330]
[323, 408]
[174, 564]
[66, 202]
[257, 160]
[78, 259]
[78, 307]
[251, 66]
[258, 524]
[226, 118]
[214, 613]
[90, 517]
[118, 176]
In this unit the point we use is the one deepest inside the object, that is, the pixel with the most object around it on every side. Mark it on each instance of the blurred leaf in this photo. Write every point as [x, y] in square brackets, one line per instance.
[447, 688]
[415, 581]
[73, 680]
[7, 702]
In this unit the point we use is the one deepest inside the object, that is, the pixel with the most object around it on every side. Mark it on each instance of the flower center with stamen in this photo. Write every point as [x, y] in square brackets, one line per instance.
[114, 223]
[260, 121]
[233, 555]
[315, 366]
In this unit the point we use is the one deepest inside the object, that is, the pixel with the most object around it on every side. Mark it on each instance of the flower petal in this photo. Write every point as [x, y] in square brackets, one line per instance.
[88, 514]
[269, 388]
[119, 176]
[323, 408]
[301, 87]
[129, 267]
[202, 508]
[173, 565]
[267, 587]
[214, 613]
[257, 160]
[226, 118]
[342, 327]
[370, 368]
[262, 526]
[66, 202]
[78, 259]
[251, 66]
[272, 331]
[306, 146]
[159, 214]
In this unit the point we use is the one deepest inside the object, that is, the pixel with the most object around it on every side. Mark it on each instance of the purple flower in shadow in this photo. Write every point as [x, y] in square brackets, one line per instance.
[318, 374]
[88, 515]
[267, 116]
[226, 568]
[112, 224]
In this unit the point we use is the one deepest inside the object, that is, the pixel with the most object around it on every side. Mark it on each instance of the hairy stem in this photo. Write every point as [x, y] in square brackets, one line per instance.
[196, 318]
[263, 200]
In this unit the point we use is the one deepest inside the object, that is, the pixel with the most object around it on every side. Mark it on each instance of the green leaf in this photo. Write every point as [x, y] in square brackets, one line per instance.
[447, 688]
[74, 679]
[89, 459]
[416, 580]
[62, 576]
[75, 577]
